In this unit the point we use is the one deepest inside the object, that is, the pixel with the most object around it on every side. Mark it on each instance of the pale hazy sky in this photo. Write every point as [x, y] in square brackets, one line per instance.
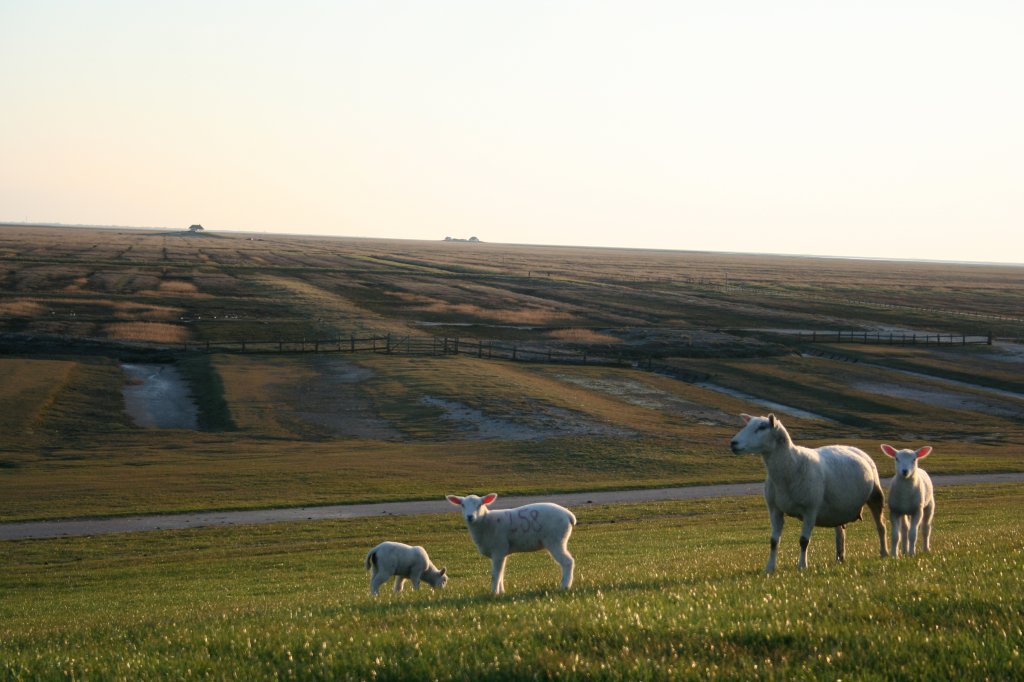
[887, 129]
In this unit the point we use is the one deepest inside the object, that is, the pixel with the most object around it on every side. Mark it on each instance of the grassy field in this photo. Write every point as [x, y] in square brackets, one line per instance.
[308, 430]
[670, 590]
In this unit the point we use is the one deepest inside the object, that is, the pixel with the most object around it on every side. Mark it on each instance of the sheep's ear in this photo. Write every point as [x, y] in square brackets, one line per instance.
[489, 498]
[888, 449]
[746, 418]
[772, 421]
[455, 499]
[924, 452]
[444, 571]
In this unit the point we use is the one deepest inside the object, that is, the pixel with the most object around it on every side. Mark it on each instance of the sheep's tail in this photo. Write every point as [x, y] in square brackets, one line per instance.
[371, 558]
[572, 518]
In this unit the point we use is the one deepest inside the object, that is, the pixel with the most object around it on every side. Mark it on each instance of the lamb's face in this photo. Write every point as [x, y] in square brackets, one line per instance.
[473, 507]
[757, 436]
[906, 460]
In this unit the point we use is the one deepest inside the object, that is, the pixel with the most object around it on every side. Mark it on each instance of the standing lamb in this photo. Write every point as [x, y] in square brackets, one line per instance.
[911, 500]
[827, 486]
[397, 559]
[523, 529]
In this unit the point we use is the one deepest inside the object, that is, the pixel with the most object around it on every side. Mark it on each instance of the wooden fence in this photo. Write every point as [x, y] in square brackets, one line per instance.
[889, 338]
[393, 344]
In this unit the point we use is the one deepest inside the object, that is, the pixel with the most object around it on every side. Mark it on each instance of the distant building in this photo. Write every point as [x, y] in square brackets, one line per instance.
[195, 228]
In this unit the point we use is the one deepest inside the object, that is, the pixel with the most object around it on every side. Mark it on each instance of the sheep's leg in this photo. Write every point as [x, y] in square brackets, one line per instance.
[915, 523]
[897, 522]
[905, 534]
[875, 504]
[840, 544]
[560, 553]
[777, 520]
[805, 538]
[926, 527]
[498, 573]
[415, 582]
[376, 580]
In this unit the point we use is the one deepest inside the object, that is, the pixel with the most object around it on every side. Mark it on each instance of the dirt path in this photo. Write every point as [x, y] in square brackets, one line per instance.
[133, 524]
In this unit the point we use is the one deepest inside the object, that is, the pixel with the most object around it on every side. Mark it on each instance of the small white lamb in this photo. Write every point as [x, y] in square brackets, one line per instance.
[911, 500]
[523, 529]
[397, 559]
[827, 486]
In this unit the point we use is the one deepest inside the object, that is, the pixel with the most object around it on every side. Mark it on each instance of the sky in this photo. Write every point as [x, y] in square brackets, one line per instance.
[887, 129]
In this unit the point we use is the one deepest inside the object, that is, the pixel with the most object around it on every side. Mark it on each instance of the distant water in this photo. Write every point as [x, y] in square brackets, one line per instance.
[157, 397]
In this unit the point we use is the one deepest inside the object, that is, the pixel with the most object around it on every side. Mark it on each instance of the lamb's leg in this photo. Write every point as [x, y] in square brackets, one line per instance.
[777, 521]
[560, 553]
[805, 538]
[399, 583]
[415, 582]
[926, 527]
[498, 573]
[897, 522]
[875, 504]
[905, 534]
[840, 544]
[915, 523]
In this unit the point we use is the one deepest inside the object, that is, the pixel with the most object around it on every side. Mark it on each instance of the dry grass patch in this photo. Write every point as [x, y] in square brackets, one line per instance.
[177, 286]
[153, 332]
[27, 389]
[253, 387]
[21, 308]
[577, 335]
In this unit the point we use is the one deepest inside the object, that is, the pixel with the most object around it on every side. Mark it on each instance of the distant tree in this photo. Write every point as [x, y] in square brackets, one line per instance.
[195, 228]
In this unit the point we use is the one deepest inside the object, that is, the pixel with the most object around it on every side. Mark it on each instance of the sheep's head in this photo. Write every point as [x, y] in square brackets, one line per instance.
[473, 507]
[760, 435]
[906, 460]
[436, 578]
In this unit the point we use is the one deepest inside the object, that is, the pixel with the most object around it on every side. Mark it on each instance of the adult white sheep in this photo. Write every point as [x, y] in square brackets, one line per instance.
[827, 486]
[404, 561]
[528, 528]
[911, 500]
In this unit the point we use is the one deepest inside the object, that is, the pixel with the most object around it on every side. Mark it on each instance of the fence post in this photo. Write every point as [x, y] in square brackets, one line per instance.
[514, 349]
[352, 342]
[243, 346]
[387, 341]
[990, 338]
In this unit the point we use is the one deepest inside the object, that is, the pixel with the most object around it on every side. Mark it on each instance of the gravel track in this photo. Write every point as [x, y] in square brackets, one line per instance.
[135, 524]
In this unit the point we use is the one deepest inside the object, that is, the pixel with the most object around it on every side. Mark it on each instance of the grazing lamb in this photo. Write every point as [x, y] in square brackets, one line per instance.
[396, 559]
[828, 486]
[911, 500]
[523, 529]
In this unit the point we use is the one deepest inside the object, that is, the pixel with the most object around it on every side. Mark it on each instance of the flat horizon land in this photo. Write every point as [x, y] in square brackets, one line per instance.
[676, 345]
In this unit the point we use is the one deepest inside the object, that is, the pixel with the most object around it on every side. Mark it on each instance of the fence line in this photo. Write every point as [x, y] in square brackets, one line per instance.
[889, 338]
[392, 344]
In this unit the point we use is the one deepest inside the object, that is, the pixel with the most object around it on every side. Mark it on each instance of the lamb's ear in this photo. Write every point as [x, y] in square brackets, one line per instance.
[889, 450]
[489, 498]
[746, 418]
[455, 499]
[772, 421]
[924, 452]
[444, 571]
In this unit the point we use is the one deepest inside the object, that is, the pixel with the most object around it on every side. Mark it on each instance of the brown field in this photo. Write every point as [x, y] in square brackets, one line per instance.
[294, 428]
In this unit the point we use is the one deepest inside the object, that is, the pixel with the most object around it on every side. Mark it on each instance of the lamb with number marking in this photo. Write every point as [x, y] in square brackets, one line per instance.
[827, 486]
[524, 529]
[404, 562]
[911, 500]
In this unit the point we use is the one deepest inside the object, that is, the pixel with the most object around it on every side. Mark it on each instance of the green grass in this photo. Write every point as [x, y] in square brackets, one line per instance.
[669, 590]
